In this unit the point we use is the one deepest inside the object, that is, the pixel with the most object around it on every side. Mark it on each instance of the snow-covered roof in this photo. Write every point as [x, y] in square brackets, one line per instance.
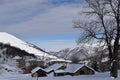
[75, 67]
[59, 71]
[17, 57]
[53, 67]
[90, 68]
[36, 69]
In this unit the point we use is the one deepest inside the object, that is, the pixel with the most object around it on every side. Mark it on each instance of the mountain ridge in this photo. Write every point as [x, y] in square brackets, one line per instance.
[12, 41]
[77, 53]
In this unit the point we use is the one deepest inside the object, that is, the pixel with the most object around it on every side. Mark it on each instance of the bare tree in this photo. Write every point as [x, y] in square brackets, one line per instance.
[102, 23]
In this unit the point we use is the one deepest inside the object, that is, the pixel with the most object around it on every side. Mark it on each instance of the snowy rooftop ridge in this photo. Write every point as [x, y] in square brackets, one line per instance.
[6, 38]
[17, 57]
[75, 67]
[36, 69]
[53, 67]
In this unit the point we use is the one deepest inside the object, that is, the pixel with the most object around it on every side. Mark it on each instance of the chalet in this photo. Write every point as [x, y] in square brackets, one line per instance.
[79, 69]
[38, 72]
[54, 67]
[18, 61]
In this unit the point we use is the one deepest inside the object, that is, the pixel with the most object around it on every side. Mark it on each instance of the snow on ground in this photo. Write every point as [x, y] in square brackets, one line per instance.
[97, 76]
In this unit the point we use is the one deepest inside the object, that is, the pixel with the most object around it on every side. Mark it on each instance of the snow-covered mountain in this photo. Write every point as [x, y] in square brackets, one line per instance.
[77, 53]
[8, 39]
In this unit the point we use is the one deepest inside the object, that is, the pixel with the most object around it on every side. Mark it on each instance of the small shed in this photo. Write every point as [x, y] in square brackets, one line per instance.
[54, 67]
[79, 69]
[59, 73]
[38, 72]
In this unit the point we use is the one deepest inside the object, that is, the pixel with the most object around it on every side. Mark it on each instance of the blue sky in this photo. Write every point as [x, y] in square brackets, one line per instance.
[46, 23]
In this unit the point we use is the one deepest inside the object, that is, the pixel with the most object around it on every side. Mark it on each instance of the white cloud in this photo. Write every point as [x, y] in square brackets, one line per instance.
[55, 20]
[18, 10]
[37, 18]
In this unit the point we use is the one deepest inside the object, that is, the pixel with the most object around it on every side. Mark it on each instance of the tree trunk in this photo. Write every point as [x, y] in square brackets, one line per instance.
[114, 63]
[114, 68]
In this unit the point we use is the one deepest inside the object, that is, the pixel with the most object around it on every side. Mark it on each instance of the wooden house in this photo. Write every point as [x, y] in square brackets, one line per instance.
[38, 72]
[79, 69]
[18, 61]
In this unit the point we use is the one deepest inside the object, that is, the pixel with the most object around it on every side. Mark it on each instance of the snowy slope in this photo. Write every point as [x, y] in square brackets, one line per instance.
[98, 76]
[11, 40]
